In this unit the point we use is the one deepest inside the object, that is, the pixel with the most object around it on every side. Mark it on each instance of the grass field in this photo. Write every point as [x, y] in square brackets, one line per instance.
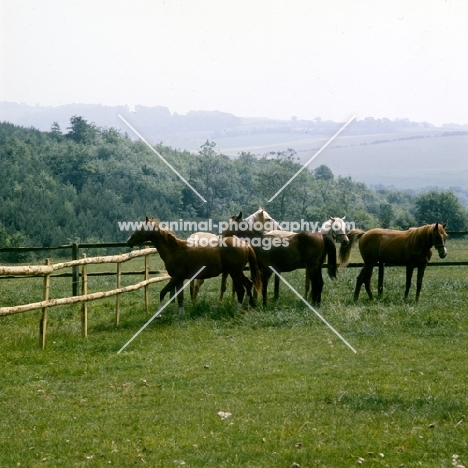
[293, 393]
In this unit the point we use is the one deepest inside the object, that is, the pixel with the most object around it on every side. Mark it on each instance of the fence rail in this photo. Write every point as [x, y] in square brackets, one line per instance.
[47, 270]
[75, 254]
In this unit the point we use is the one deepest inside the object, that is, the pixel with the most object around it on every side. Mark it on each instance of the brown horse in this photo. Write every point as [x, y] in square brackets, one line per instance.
[303, 250]
[259, 220]
[411, 248]
[183, 261]
[335, 228]
[203, 239]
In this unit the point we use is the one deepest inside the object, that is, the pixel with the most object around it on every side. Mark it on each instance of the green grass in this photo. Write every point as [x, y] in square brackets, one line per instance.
[296, 393]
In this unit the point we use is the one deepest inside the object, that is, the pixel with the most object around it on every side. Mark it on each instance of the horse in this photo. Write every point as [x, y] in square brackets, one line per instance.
[302, 250]
[260, 219]
[411, 248]
[334, 227]
[183, 261]
[203, 239]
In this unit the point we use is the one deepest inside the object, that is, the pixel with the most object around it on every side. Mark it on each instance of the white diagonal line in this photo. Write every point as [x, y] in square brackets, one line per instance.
[313, 310]
[312, 158]
[160, 157]
[158, 313]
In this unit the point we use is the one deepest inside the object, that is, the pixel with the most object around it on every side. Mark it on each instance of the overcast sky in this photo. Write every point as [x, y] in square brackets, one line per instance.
[253, 58]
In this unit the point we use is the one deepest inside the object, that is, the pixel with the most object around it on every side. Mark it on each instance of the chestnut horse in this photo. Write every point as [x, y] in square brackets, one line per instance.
[183, 261]
[334, 228]
[411, 248]
[259, 220]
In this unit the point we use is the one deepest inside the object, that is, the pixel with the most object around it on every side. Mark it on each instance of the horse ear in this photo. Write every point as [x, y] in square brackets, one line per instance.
[240, 215]
[343, 218]
[436, 227]
[332, 219]
[445, 224]
[147, 219]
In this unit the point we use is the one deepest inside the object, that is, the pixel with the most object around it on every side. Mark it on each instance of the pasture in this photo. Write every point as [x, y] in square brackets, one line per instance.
[290, 392]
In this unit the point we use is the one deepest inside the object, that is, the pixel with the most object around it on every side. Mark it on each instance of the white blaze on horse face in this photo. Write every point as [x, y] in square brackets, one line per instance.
[442, 251]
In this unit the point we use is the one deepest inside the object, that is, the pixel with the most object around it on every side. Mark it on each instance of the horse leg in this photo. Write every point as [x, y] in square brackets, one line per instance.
[316, 279]
[196, 288]
[266, 274]
[240, 290]
[367, 282]
[276, 291]
[248, 284]
[409, 276]
[233, 289]
[180, 298]
[223, 285]
[419, 281]
[170, 287]
[192, 290]
[307, 284]
[380, 282]
[364, 277]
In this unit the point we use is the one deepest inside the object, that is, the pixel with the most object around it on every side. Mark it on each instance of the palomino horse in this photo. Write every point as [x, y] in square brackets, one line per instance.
[303, 250]
[411, 248]
[260, 220]
[182, 261]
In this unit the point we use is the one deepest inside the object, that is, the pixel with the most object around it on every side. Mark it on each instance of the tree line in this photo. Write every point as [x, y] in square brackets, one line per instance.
[76, 185]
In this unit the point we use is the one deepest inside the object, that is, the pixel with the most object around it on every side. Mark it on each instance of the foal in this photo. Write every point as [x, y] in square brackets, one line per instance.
[183, 261]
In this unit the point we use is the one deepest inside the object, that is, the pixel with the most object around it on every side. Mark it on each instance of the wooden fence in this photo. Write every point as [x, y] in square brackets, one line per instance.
[74, 250]
[48, 269]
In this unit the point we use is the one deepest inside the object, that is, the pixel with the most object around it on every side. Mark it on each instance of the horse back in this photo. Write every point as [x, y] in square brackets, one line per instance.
[392, 247]
[312, 247]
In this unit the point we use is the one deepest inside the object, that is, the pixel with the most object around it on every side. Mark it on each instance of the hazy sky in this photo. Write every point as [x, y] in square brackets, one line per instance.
[258, 58]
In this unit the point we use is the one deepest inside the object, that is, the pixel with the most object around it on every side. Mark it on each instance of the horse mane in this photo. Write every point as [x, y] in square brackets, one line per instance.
[416, 234]
[168, 235]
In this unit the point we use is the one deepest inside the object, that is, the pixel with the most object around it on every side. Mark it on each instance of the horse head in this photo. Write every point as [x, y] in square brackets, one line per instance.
[337, 226]
[439, 237]
[237, 218]
[142, 232]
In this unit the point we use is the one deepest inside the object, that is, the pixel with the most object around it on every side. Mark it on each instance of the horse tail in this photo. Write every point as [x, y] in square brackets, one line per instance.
[331, 254]
[345, 251]
[255, 273]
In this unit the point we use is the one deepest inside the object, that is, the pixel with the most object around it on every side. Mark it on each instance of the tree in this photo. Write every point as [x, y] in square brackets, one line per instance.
[275, 176]
[324, 175]
[214, 176]
[433, 206]
[385, 215]
[81, 131]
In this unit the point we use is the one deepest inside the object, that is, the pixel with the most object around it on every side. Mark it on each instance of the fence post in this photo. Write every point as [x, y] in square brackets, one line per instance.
[117, 297]
[84, 304]
[381, 276]
[75, 269]
[146, 279]
[45, 295]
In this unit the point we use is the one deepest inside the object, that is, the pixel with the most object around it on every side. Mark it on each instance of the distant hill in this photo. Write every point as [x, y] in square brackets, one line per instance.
[380, 152]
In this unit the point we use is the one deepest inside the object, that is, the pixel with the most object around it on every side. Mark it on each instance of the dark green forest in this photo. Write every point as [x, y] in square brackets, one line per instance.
[76, 184]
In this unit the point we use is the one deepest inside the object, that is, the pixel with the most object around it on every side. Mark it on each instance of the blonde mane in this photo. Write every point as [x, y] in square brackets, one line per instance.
[415, 234]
